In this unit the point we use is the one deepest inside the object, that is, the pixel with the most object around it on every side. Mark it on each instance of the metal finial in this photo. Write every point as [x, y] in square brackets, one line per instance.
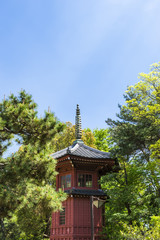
[78, 129]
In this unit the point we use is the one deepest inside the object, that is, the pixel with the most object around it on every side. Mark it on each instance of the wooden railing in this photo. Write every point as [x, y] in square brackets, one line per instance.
[64, 230]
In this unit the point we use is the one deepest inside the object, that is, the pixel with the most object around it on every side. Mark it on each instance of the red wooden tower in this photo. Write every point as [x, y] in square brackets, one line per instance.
[80, 167]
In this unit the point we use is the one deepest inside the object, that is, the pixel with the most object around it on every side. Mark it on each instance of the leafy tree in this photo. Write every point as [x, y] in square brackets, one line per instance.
[102, 139]
[27, 178]
[89, 138]
[135, 191]
[142, 232]
[67, 137]
[98, 139]
[129, 201]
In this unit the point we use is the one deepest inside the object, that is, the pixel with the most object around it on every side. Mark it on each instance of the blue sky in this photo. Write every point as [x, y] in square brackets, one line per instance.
[68, 52]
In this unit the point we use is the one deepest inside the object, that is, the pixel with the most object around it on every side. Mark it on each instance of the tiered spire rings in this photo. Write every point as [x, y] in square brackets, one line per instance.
[78, 129]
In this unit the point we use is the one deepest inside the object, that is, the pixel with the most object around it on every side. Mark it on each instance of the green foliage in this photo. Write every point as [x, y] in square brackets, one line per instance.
[134, 192]
[142, 231]
[88, 138]
[67, 137]
[139, 118]
[102, 139]
[19, 118]
[27, 178]
[98, 139]
[128, 200]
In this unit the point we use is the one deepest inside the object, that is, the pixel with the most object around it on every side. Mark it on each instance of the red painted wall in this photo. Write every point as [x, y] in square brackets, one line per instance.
[78, 222]
[77, 208]
[82, 219]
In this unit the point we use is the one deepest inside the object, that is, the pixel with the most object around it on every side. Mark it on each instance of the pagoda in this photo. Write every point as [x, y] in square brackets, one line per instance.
[79, 169]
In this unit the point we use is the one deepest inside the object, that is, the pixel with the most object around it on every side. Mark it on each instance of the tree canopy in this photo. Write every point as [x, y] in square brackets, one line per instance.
[27, 177]
[134, 138]
[67, 137]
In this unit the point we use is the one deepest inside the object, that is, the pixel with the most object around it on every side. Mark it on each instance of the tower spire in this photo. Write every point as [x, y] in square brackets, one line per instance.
[78, 128]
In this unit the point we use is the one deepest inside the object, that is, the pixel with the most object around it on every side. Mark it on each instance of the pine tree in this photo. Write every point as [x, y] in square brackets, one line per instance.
[27, 177]
[135, 191]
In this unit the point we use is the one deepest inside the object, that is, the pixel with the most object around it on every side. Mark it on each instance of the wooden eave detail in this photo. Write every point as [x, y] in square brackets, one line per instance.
[75, 158]
[103, 165]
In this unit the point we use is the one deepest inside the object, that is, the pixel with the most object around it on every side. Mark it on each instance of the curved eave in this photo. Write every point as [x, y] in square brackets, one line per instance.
[81, 150]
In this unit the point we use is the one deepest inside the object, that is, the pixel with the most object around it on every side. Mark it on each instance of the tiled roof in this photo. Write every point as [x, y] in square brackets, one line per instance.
[81, 150]
[87, 192]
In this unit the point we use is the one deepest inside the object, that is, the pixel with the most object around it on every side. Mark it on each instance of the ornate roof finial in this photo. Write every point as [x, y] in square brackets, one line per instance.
[78, 129]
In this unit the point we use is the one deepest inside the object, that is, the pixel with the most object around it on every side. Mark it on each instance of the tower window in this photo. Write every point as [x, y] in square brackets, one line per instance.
[88, 180]
[84, 180]
[62, 216]
[66, 181]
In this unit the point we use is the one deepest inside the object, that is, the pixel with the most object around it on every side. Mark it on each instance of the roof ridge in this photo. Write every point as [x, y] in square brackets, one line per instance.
[80, 149]
[60, 151]
[74, 147]
[95, 150]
